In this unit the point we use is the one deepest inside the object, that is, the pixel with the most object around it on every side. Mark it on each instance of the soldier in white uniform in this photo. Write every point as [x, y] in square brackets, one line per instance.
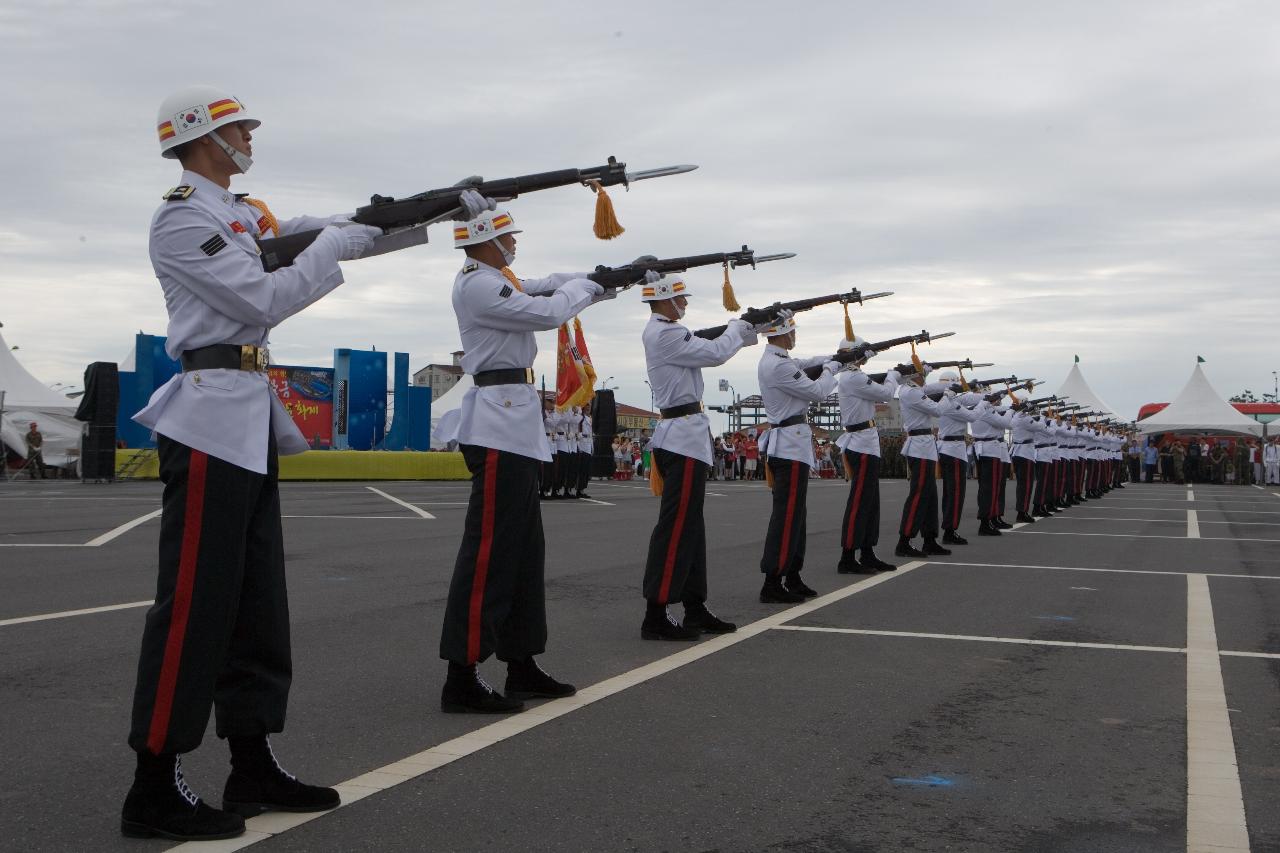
[566, 450]
[954, 416]
[860, 444]
[218, 633]
[788, 447]
[586, 447]
[993, 456]
[496, 602]
[1028, 431]
[920, 512]
[1271, 461]
[676, 567]
[1046, 454]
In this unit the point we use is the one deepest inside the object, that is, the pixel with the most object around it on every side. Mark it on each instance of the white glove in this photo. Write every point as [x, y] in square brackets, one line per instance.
[785, 314]
[651, 277]
[592, 288]
[869, 354]
[949, 394]
[928, 368]
[474, 204]
[894, 375]
[354, 238]
[745, 329]
[832, 366]
[610, 293]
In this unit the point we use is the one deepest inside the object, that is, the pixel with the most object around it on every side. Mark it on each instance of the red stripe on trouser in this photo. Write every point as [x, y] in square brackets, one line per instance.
[791, 511]
[857, 501]
[686, 483]
[915, 502]
[955, 495]
[476, 611]
[192, 522]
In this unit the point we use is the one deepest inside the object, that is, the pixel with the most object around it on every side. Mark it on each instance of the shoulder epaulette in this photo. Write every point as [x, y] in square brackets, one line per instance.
[471, 266]
[240, 196]
[181, 193]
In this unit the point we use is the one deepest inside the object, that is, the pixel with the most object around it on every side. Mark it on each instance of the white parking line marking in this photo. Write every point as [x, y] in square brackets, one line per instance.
[264, 826]
[358, 517]
[1193, 525]
[1215, 805]
[594, 501]
[978, 639]
[1191, 495]
[1145, 536]
[405, 504]
[95, 542]
[1171, 520]
[1108, 571]
[22, 620]
[1267, 655]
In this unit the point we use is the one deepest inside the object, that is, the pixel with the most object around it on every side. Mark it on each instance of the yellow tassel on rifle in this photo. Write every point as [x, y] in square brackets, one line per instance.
[848, 324]
[964, 383]
[607, 225]
[726, 293]
[655, 480]
[915, 360]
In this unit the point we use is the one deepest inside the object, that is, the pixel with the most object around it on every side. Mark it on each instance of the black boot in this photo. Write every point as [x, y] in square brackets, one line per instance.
[872, 563]
[160, 805]
[583, 495]
[527, 680]
[1041, 511]
[848, 564]
[1000, 524]
[773, 592]
[796, 585]
[933, 549]
[697, 616]
[658, 625]
[950, 537]
[986, 528]
[904, 548]
[1026, 518]
[258, 783]
[465, 692]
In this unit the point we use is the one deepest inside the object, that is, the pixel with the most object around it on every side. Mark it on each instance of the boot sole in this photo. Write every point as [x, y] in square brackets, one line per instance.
[536, 694]
[248, 810]
[654, 635]
[457, 708]
[136, 829]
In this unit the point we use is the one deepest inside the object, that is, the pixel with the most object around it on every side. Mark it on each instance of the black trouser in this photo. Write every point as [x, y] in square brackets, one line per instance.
[954, 473]
[218, 633]
[990, 473]
[584, 469]
[566, 470]
[1025, 470]
[1044, 474]
[920, 512]
[1135, 465]
[35, 462]
[676, 569]
[1191, 469]
[785, 540]
[547, 472]
[496, 599]
[861, 527]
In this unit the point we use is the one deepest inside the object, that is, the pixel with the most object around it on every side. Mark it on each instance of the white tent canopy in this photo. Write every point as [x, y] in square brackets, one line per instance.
[26, 400]
[1075, 387]
[1199, 408]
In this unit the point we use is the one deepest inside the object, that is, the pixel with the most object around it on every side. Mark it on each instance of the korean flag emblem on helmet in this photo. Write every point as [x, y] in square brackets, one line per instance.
[667, 287]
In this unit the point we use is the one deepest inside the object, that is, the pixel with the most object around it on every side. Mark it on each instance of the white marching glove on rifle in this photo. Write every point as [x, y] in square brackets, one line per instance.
[746, 330]
[356, 238]
[832, 366]
[473, 204]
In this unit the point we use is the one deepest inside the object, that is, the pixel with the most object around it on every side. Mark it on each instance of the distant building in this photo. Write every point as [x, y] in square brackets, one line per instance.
[633, 418]
[440, 377]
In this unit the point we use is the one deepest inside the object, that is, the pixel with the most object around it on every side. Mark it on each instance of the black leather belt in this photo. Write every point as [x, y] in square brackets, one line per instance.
[859, 426]
[682, 410]
[953, 438]
[1043, 446]
[1024, 441]
[225, 357]
[919, 432]
[791, 421]
[512, 376]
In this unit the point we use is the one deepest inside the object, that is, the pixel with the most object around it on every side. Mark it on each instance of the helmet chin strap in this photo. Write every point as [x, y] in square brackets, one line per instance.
[507, 256]
[243, 161]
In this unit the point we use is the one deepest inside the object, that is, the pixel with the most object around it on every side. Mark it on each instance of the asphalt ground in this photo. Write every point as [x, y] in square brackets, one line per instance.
[1049, 690]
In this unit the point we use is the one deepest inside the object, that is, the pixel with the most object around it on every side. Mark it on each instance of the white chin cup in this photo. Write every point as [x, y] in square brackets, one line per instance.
[243, 161]
[507, 256]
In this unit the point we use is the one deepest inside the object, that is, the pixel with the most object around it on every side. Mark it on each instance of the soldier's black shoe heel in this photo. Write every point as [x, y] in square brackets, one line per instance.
[465, 692]
[698, 617]
[773, 592]
[933, 549]
[527, 680]
[258, 783]
[988, 529]
[871, 563]
[658, 625]
[905, 549]
[1026, 518]
[950, 537]
[799, 587]
[160, 805]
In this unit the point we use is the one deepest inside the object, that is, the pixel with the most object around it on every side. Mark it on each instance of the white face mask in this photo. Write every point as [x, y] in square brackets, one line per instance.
[508, 256]
[243, 161]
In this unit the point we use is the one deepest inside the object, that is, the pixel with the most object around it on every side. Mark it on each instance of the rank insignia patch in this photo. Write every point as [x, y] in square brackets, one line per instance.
[471, 267]
[179, 193]
[213, 245]
[797, 376]
[688, 335]
[506, 291]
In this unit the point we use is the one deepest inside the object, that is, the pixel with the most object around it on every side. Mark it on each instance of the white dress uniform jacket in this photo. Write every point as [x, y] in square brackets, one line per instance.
[585, 442]
[858, 398]
[496, 323]
[954, 416]
[787, 392]
[918, 412]
[565, 442]
[988, 433]
[216, 292]
[1028, 431]
[674, 358]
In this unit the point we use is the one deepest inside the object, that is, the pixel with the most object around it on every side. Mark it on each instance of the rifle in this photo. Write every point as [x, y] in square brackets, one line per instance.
[433, 206]
[1039, 401]
[756, 316]
[628, 274]
[976, 384]
[859, 353]
[905, 370]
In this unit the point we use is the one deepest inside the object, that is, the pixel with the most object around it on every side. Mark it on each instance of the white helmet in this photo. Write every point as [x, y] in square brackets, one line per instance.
[946, 376]
[192, 112]
[780, 327]
[483, 228]
[846, 344]
[667, 287]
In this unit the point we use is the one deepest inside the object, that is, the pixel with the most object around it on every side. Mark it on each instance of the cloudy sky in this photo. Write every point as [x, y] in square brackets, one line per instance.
[1044, 178]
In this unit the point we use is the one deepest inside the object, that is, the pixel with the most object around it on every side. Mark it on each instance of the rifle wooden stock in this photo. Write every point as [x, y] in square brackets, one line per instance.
[756, 316]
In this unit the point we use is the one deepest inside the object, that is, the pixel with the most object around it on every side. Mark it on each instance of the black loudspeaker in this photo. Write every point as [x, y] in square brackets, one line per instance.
[98, 453]
[604, 426]
[101, 401]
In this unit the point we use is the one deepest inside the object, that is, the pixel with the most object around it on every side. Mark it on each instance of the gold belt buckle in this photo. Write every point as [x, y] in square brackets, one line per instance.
[528, 375]
[253, 359]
